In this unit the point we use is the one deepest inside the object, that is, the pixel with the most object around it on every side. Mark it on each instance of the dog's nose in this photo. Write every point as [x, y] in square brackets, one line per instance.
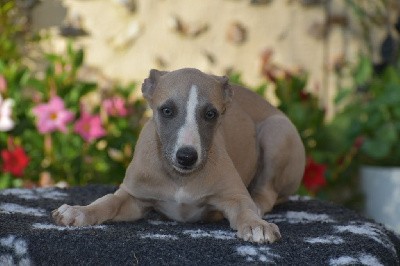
[186, 156]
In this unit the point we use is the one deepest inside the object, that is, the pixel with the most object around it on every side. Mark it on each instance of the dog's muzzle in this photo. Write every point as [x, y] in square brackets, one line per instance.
[186, 157]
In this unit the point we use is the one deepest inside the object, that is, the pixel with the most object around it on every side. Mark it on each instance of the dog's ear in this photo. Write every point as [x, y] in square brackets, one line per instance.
[226, 88]
[149, 84]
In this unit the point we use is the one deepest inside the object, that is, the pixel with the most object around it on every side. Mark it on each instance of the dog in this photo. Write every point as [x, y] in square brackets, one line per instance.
[211, 150]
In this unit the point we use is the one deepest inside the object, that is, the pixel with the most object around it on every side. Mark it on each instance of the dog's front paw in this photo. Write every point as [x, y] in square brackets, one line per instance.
[259, 231]
[71, 215]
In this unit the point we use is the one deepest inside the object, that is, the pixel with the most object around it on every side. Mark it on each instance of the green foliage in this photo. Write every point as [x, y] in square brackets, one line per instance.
[12, 30]
[67, 156]
[373, 114]
[299, 106]
[6, 180]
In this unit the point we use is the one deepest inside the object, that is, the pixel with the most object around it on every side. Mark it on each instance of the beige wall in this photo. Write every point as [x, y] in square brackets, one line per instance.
[125, 45]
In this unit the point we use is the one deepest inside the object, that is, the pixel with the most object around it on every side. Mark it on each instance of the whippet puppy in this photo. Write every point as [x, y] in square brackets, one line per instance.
[211, 150]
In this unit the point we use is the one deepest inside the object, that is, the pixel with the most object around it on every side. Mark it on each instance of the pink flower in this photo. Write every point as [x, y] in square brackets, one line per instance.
[89, 127]
[115, 106]
[3, 83]
[52, 116]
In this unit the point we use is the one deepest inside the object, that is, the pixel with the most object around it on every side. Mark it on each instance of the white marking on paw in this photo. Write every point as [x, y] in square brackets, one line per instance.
[41, 226]
[253, 253]
[217, 234]
[12, 208]
[258, 234]
[325, 240]
[159, 236]
[63, 208]
[71, 215]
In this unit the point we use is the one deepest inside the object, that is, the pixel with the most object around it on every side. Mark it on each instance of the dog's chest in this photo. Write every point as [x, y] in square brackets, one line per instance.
[182, 207]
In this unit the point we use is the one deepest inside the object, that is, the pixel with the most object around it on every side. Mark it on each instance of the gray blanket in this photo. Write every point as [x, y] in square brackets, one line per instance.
[313, 233]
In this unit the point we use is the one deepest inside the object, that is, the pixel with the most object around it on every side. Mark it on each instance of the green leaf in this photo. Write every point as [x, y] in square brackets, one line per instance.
[70, 49]
[342, 95]
[387, 133]
[389, 95]
[380, 145]
[374, 120]
[364, 70]
[52, 57]
[391, 75]
[236, 78]
[75, 93]
[5, 181]
[396, 112]
[260, 90]
[376, 148]
[298, 83]
[78, 58]
[17, 182]
[298, 115]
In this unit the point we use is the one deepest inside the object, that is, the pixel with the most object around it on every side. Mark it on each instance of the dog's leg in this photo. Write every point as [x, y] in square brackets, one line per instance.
[242, 214]
[120, 206]
[238, 207]
[283, 161]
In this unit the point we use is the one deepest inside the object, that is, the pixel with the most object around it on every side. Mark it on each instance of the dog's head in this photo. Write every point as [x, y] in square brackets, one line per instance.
[187, 107]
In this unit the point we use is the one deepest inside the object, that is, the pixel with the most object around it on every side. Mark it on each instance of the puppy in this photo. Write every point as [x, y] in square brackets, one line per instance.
[211, 150]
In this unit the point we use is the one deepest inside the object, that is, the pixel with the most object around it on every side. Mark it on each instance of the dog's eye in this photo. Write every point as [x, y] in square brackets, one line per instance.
[167, 112]
[210, 115]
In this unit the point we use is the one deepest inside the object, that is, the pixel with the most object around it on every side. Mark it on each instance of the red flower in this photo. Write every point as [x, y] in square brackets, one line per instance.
[14, 161]
[358, 142]
[304, 96]
[314, 175]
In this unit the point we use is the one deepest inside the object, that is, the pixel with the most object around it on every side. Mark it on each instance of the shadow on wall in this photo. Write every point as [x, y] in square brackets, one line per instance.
[49, 13]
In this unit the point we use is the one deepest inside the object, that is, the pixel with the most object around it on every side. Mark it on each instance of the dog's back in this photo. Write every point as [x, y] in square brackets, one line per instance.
[253, 104]
[249, 120]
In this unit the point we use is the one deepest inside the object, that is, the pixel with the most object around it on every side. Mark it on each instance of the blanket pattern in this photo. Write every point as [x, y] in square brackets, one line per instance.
[313, 233]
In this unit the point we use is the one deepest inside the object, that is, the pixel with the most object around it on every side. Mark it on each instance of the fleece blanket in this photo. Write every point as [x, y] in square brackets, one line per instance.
[313, 233]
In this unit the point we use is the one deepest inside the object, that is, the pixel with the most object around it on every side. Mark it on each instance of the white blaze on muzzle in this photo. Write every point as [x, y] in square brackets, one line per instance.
[188, 134]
